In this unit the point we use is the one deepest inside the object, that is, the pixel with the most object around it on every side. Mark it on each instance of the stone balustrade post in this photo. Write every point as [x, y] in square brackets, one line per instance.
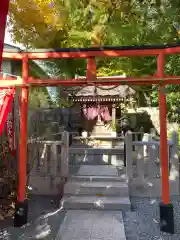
[129, 156]
[141, 133]
[53, 159]
[146, 138]
[65, 154]
[174, 160]
[140, 164]
[152, 161]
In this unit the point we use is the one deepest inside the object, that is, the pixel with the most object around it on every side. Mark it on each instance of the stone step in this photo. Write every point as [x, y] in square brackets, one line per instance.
[101, 170]
[97, 178]
[96, 188]
[92, 225]
[95, 202]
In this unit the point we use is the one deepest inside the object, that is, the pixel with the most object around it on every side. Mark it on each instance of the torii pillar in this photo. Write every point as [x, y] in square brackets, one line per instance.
[91, 69]
[21, 211]
[166, 208]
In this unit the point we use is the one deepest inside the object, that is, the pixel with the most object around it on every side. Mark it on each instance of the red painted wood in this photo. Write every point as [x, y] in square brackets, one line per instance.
[11, 55]
[23, 133]
[91, 69]
[163, 134]
[11, 82]
[6, 99]
[87, 54]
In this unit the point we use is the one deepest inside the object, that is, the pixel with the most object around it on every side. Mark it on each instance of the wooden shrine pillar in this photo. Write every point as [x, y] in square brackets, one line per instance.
[114, 114]
[21, 211]
[166, 208]
[91, 69]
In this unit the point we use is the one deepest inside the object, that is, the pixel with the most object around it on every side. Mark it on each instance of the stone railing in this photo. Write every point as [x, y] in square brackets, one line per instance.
[143, 165]
[95, 156]
[51, 162]
[137, 135]
[48, 164]
[99, 149]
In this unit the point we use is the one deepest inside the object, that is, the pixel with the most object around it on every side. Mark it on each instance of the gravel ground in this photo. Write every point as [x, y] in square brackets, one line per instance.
[45, 219]
[143, 222]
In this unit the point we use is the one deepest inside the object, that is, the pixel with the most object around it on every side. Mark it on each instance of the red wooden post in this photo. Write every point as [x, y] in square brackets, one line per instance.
[166, 209]
[3, 16]
[22, 206]
[91, 69]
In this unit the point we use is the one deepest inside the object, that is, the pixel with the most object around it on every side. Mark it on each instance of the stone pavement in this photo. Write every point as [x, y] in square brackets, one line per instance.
[92, 225]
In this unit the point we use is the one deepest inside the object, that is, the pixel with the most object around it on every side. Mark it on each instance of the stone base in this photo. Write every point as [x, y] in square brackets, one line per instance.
[166, 218]
[21, 214]
[100, 130]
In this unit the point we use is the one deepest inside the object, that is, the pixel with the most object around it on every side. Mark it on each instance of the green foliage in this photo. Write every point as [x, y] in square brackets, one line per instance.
[82, 23]
[170, 135]
[173, 102]
[38, 97]
[172, 91]
[179, 138]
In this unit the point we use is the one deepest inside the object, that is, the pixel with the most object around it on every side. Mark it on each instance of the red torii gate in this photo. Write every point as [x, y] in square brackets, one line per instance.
[166, 208]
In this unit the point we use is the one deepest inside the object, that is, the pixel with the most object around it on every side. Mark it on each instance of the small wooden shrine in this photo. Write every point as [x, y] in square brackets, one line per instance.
[101, 107]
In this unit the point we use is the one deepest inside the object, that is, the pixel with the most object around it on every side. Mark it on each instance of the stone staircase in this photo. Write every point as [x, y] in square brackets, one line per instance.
[96, 187]
[94, 199]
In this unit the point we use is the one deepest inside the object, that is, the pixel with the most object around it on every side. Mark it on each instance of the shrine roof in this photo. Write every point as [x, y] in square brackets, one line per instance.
[122, 91]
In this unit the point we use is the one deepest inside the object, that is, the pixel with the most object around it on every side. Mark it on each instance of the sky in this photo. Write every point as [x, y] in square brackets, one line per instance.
[8, 39]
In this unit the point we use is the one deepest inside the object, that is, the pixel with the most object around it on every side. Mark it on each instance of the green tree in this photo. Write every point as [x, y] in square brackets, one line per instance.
[81, 23]
[172, 91]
